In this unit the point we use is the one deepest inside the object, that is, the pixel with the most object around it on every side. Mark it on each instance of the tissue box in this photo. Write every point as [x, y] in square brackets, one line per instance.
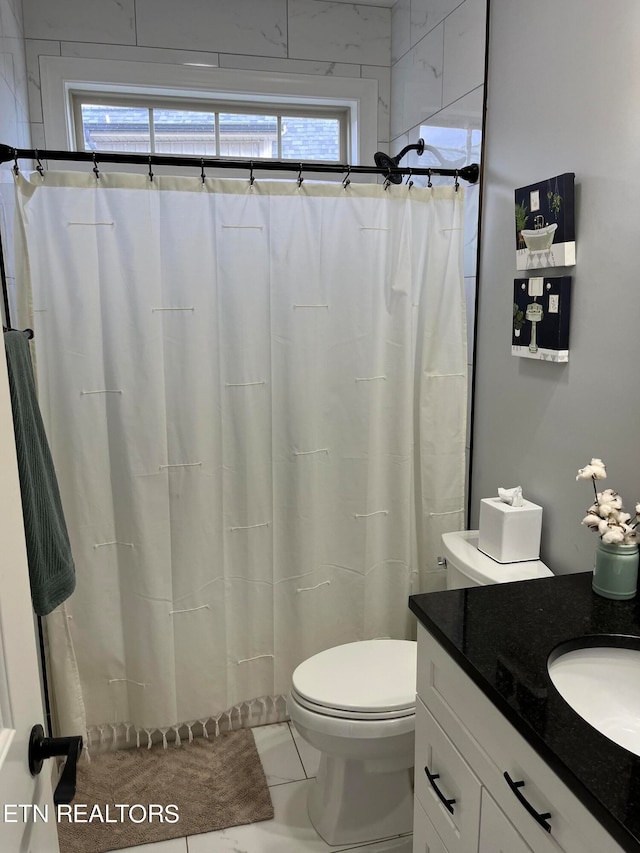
[509, 534]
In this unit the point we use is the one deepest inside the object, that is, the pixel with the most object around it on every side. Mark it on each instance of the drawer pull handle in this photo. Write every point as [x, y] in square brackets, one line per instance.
[537, 816]
[448, 804]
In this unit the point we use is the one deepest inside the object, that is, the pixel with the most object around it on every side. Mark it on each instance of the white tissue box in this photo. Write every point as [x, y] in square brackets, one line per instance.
[509, 534]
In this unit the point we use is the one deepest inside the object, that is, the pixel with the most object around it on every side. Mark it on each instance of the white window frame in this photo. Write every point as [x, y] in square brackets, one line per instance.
[63, 76]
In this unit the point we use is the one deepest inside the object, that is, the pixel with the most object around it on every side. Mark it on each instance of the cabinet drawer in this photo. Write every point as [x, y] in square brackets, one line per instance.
[445, 786]
[492, 746]
[497, 835]
[425, 837]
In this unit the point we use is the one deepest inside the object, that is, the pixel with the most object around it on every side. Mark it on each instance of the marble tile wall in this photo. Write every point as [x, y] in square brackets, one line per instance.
[437, 93]
[14, 108]
[14, 118]
[298, 36]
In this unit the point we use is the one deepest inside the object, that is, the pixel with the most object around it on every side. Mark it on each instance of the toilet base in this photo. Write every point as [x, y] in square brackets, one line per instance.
[351, 803]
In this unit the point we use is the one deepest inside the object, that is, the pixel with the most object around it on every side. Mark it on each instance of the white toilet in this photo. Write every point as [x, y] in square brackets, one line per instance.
[466, 566]
[356, 705]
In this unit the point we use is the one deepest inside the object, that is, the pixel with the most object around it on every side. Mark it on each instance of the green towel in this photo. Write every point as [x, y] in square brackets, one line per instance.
[51, 570]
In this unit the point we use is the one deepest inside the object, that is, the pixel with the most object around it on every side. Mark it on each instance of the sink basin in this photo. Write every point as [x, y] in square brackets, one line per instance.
[602, 684]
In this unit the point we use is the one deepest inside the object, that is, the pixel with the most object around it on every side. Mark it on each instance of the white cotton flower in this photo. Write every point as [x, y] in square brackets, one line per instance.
[585, 473]
[611, 497]
[609, 504]
[637, 509]
[603, 527]
[623, 518]
[591, 521]
[613, 536]
[596, 470]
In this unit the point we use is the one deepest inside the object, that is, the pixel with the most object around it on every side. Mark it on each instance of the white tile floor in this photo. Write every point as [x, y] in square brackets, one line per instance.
[289, 765]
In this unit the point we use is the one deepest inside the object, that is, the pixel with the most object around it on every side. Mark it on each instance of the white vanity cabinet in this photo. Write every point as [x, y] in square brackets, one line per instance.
[479, 786]
[497, 835]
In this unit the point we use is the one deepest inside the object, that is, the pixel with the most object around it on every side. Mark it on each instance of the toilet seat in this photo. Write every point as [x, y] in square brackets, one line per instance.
[343, 714]
[366, 680]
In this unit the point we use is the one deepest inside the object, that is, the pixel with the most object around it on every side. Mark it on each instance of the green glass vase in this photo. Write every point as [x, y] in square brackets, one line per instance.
[615, 573]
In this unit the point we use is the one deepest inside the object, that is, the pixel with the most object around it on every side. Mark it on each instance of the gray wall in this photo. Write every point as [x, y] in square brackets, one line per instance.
[563, 93]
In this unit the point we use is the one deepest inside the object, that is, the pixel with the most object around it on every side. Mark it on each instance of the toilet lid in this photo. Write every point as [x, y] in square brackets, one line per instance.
[376, 676]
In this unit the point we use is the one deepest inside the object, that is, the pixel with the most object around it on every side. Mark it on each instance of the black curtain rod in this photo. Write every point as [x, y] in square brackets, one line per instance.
[8, 153]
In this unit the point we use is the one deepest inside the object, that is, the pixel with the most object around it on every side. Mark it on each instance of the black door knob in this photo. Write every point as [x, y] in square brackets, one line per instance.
[41, 748]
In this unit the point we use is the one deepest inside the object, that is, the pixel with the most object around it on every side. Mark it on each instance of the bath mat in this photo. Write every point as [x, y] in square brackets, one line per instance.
[133, 796]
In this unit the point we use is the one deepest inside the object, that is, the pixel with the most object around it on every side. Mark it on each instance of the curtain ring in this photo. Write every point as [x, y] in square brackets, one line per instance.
[429, 184]
[251, 178]
[95, 167]
[346, 181]
[300, 178]
[39, 168]
[202, 174]
[409, 182]
[16, 168]
[150, 169]
[456, 184]
[387, 181]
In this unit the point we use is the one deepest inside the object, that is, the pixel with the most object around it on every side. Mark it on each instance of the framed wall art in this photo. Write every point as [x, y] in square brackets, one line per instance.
[541, 318]
[544, 224]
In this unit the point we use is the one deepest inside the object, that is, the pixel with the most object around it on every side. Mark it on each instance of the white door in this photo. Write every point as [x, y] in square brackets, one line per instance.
[20, 693]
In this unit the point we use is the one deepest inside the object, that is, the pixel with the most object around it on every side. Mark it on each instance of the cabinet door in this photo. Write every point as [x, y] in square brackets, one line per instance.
[445, 786]
[497, 835]
[425, 837]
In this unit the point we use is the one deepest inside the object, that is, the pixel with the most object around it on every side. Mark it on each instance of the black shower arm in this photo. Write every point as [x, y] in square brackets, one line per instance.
[417, 146]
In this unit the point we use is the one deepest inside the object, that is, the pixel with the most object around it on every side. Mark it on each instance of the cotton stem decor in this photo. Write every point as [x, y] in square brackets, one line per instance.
[606, 515]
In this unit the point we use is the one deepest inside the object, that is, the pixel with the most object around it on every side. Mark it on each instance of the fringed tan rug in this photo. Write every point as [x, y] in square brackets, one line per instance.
[133, 796]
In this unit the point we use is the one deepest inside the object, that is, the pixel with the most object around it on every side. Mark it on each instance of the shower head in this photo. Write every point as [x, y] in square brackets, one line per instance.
[384, 161]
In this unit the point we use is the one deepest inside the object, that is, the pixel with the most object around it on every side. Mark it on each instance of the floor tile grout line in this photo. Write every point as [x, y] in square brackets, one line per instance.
[285, 782]
[304, 769]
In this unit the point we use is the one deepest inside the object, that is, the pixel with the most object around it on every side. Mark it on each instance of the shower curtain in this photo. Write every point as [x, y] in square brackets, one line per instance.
[255, 398]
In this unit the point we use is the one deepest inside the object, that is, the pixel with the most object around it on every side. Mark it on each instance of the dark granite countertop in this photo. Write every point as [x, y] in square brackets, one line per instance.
[502, 635]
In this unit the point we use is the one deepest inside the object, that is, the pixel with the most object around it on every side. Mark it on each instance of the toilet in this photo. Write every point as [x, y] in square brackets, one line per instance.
[466, 566]
[355, 703]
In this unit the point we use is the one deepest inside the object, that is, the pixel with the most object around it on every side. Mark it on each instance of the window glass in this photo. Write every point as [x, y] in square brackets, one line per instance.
[184, 132]
[306, 138]
[109, 128]
[157, 127]
[248, 135]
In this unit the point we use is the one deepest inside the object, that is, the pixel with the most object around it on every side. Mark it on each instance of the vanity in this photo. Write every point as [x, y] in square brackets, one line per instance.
[503, 763]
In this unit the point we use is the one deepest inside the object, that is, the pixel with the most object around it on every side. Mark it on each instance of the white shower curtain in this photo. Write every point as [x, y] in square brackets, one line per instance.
[256, 402]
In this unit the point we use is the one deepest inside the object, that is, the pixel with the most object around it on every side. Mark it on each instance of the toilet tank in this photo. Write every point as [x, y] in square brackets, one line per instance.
[466, 566]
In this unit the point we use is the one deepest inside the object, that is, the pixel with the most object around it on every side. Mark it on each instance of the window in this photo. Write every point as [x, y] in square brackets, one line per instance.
[181, 127]
[304, 107]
